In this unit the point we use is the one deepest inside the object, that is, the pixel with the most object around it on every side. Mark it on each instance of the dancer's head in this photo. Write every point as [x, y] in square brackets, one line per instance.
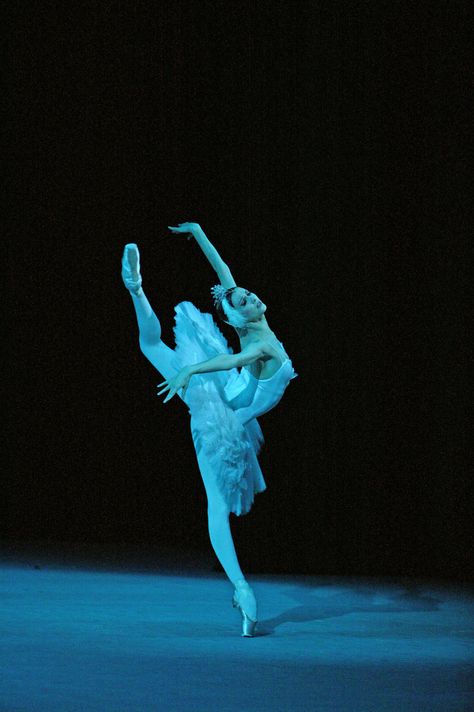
[239, 306]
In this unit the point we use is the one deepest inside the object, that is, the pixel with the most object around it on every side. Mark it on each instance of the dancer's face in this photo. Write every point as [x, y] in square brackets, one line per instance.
[248, 304]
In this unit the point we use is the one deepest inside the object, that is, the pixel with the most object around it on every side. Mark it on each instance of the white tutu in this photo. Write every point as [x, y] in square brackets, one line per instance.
[230, 447]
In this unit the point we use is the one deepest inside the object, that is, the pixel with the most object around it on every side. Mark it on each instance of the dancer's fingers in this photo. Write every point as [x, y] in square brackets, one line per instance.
[162, 390]
[162, 383]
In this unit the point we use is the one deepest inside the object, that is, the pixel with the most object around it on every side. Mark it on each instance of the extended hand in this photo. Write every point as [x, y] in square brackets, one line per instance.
[181, 380]
[185, 227]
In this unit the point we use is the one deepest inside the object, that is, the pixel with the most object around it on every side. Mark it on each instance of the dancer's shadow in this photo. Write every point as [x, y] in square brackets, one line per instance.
[356, 598]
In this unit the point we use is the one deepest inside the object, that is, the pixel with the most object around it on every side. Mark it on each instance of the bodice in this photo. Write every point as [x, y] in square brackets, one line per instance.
[250, 396]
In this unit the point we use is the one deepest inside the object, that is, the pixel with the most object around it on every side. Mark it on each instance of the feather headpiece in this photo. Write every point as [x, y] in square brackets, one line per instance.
[234, 317]
[218, 292]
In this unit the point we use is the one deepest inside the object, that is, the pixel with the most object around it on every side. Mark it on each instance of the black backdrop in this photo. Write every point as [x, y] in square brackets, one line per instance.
[321, 146]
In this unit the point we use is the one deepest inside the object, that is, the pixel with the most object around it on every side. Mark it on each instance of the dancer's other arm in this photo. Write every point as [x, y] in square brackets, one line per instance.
[222, 362]
[217, 263]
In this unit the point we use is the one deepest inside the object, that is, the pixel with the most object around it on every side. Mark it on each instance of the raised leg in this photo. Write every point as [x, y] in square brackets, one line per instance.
[149, 327]
[151, 344]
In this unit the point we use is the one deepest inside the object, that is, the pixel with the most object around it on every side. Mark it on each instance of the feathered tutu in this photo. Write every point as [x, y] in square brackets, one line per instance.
[230, 447]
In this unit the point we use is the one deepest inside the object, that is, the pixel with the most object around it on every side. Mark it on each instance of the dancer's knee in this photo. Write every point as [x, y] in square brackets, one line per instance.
[151, 350]
[149, 341]
[217, 510]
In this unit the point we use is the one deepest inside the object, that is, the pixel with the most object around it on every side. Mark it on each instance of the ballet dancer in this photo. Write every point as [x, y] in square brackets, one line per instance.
[224, 403]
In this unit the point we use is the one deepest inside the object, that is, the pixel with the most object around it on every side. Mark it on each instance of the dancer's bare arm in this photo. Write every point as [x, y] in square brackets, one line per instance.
[217, 263]
[222, 362]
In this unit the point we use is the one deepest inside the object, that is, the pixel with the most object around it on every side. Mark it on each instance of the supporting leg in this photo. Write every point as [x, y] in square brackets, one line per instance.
[218, 523]
[222, 542]
[223, 545]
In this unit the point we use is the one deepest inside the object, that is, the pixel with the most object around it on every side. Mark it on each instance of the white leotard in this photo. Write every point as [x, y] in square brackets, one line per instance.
[251, 397]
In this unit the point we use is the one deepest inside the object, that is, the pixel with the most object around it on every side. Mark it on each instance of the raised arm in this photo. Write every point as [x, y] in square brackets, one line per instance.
[217, 263]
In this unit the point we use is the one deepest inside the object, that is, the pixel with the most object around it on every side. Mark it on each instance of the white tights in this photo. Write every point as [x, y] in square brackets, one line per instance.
[161, 356]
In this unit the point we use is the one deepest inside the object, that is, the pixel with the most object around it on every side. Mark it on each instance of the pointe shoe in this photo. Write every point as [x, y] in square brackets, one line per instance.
[131, 269]
[244, 600]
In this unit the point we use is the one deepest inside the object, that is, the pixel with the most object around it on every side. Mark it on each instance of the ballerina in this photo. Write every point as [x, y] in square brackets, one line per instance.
[224, 403]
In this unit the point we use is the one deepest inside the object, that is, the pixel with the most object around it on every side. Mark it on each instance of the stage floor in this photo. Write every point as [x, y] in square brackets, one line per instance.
[118, 629]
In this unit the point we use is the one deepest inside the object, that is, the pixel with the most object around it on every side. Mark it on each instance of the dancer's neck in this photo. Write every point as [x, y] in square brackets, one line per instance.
[259, 327]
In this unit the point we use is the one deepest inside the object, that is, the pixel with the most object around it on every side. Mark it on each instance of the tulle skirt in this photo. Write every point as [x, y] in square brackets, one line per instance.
[228, 448]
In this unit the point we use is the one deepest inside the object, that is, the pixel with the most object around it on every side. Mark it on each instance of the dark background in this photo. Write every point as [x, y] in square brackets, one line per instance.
[321, 146]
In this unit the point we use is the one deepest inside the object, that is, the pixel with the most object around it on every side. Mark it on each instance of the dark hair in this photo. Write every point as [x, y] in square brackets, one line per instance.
[220, 311]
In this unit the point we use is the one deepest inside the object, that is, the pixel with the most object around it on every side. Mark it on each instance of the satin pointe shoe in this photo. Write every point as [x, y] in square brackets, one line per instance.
[244, 600]
[131, 269]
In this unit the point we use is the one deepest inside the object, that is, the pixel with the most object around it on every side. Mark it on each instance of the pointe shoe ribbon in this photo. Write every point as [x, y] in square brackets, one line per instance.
[131, 268]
